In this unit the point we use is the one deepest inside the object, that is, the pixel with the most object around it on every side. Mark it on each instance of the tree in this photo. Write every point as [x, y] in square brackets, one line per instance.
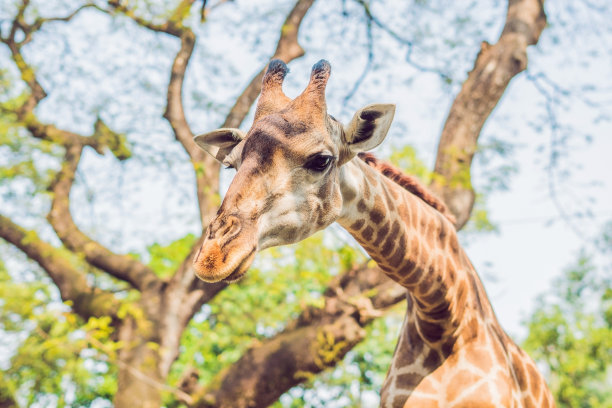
[140, 317]
[570, 331]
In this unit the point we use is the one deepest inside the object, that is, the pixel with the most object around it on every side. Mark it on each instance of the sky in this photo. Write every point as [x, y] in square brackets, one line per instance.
[127, 208]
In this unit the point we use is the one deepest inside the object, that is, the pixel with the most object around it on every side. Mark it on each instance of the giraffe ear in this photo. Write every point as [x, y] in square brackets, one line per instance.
[368, 127]
[219, 143]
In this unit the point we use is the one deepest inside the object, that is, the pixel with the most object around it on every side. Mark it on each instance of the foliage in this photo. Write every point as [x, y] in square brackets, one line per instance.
[164, 259]
[570, 332]
[30, 161]
[407, 159]
[480, 221]
[58, 358]
[281, 283]
[355, 382]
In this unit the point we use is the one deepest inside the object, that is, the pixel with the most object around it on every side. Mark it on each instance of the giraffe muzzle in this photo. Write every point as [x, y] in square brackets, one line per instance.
[227, 251]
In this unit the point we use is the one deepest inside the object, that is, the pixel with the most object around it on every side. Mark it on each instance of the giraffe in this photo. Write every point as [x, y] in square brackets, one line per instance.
[298, 171]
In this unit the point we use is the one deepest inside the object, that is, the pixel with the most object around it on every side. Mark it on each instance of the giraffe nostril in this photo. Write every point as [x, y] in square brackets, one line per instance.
[222, 225]
[233, 227]
[225, 229]
[228, 228]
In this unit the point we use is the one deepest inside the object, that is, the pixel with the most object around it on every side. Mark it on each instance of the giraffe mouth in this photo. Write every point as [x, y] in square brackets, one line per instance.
[241, 269]
[212, 264]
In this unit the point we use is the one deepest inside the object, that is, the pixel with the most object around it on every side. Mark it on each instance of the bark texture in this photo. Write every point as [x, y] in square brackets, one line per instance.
[320, 337]
[493, 69]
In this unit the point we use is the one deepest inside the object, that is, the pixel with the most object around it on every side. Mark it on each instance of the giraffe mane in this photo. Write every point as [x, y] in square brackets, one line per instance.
[408, 182]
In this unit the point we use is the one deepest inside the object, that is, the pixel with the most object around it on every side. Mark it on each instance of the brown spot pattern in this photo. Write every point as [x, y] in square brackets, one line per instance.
[454, 244]
[470, 332]
[378, 211]
[381, 234]
[408, 381]
[415, 276]
[427, 283]
[519, 371]
[461, 293]
[498, 352]
[434, 274]
[534, 377]
[361, 206]
[447, 347]
[349, 195]
[387, 247]
[433, 298]
[395, 229]
[367, 233]
[432, 332]
[432, 361]
[398, 256]
[399, 401]
[529, 402]
[356, 226]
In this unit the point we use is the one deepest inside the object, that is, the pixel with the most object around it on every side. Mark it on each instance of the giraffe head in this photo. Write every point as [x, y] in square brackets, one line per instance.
[288, 166]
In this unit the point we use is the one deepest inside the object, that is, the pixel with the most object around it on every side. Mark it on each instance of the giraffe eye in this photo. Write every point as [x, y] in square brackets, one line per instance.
[319, 162]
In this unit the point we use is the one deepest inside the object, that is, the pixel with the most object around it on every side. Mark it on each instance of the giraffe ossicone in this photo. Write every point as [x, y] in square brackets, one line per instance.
[298, 171]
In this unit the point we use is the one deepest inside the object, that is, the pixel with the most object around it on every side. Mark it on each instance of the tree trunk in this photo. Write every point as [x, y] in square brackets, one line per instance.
[494, 68]
[139, 383]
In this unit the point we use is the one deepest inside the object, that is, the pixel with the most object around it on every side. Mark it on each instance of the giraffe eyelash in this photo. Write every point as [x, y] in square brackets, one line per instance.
[319, 162]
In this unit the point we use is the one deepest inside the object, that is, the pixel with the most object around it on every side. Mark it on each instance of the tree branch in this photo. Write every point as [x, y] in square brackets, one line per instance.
[494, 67]
[121, 267]
[182, 298]
[319, 338]
[206, 168]
[53, 134]
[27, 73]
[397, 37]
[265, 372]
[87, 301]
[40, 21]
[37, 93]
[174, 25]
[369, 63]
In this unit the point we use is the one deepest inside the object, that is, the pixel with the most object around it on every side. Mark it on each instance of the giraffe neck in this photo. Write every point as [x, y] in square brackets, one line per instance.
[418, 248]
[411, 242]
